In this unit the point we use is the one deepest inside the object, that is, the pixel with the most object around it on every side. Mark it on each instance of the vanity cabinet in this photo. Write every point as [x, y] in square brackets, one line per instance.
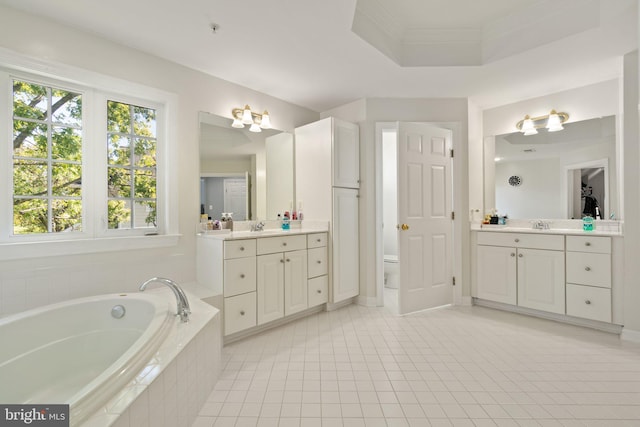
[521, 269]
[589, 277]
[264, 279]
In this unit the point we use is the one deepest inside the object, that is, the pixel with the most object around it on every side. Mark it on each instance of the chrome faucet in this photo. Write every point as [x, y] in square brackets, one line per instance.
[259, 226]
[540, 225]
[183, 304]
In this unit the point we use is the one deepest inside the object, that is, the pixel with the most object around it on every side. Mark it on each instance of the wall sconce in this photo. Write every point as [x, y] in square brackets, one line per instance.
[552, 122]
[244, 116]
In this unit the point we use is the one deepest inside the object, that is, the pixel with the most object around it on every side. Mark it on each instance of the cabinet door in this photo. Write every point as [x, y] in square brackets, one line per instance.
[295, 282]
[497, 274]
[346, 154]
[270, 287]
[346, 248]
[541, 280]
[239, 313]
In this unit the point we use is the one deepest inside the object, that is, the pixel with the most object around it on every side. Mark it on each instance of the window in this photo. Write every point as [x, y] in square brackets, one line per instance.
[47, 159]
[131, 182]
[84, 166]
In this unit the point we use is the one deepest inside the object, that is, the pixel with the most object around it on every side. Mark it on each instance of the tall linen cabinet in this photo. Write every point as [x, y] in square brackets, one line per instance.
[327, 164]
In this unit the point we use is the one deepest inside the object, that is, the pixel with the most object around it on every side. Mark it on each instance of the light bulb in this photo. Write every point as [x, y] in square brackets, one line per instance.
[553, 123]
[247, 119]
[255, 128]
[237, 123]
[528, 128]
[266, 122]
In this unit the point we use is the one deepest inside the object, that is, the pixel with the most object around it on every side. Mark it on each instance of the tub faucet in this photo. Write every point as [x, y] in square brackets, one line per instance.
[183, 304]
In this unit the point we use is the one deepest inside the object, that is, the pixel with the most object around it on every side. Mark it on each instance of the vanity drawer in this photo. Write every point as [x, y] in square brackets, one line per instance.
[239, 276]
[589, 269]
[600, 245]
[522, 240]
[316, 240]
[239, 248]
[269, 245]
[318, 290]
[589, 302]
[317, 262]
[239, 313]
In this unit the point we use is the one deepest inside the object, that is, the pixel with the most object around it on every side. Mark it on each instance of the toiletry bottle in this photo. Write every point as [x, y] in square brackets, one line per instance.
[230, 221]
[285, 223]
[587, 223]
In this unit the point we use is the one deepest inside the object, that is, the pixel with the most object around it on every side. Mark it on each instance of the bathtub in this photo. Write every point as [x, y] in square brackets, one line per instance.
[78, 353]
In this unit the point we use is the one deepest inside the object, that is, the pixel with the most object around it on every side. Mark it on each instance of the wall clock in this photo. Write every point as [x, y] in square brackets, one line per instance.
[515, 180]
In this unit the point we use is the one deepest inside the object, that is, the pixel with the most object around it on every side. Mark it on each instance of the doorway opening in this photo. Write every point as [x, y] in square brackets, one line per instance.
[225, 193]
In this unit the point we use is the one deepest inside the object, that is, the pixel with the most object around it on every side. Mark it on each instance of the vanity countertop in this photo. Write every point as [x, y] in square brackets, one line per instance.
[604, 228]
[247, 234]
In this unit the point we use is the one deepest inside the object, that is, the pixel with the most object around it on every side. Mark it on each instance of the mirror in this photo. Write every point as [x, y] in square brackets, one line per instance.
[554, 175]
[247, 173]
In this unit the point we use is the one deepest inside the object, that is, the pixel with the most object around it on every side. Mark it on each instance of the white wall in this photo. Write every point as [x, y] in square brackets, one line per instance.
[31, 282]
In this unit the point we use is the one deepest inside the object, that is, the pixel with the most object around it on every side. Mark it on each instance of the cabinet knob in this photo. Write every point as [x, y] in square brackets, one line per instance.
[284, 243]
[516, 240]
[242, 313]
[588, 302]
[241, 248]
[242, 276]
[319, 262]
[520, 255]
[282, 261]
[513, 254]
[318, 240]
[587, 244]
[319, 291]
[587, 269]
[288, 260]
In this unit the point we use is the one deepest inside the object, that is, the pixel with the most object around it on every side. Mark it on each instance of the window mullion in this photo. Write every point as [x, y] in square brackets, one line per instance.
[49, 161]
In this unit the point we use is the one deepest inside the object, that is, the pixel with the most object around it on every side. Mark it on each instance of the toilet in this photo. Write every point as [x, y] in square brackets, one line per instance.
[391, 273]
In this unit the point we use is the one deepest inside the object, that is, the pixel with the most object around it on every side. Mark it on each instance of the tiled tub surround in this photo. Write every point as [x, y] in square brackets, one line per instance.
[169, 379]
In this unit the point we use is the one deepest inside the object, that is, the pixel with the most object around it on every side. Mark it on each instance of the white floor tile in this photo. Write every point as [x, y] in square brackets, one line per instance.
[457, 366]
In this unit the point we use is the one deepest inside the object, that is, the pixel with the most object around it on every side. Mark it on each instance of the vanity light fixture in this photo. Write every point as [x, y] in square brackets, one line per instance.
[552, 122]
[244, 116]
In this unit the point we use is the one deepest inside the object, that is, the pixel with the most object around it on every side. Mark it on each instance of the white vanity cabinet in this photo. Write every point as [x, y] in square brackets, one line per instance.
[318, 283]
[521, 269]
[589, 277]
[264, 279]
[239, 290]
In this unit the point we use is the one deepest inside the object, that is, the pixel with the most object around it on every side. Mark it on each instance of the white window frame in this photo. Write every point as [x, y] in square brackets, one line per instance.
[96, 89]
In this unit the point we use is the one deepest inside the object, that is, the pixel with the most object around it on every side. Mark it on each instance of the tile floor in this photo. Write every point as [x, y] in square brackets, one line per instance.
[455, 366]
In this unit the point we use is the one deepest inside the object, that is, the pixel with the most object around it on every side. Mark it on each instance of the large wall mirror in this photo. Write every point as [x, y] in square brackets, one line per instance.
[554, 175]
[247, 173]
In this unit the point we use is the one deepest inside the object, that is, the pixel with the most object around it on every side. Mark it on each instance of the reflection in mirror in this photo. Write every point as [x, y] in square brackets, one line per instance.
[244, 171]
[554, 175]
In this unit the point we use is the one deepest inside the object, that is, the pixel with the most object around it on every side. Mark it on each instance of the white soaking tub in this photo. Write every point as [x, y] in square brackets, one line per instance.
[78, 352]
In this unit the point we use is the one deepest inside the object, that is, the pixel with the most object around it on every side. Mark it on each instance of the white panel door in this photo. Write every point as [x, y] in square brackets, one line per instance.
[295, 281]
[346, 246]
[541, 280]
[424, 214]
[270, 287]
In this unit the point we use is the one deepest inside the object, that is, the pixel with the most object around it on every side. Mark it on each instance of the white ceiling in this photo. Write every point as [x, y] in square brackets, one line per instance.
[305, 52]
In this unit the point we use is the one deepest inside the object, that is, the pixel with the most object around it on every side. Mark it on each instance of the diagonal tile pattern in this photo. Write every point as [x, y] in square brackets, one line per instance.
[455, 366]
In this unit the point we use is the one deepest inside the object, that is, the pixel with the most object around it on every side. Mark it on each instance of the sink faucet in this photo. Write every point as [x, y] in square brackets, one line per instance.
[183, 304]
[259, 226]
[540, 225]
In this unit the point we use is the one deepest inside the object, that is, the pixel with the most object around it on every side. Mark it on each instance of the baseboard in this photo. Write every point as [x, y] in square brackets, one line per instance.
[464, 301]
[367, 301]
[630, 335]
[587, 323]
[334, 306]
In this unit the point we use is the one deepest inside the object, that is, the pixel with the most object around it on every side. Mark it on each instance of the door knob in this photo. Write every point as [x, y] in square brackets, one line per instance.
[404, 227]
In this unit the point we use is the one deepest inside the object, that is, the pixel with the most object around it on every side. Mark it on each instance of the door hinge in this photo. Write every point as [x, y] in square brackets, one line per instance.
[451, 152]
[454, 280]
[453, 215]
